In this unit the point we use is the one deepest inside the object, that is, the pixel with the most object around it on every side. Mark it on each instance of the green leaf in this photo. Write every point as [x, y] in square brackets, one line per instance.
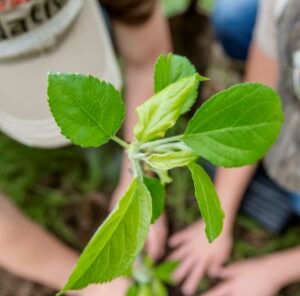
[171, 160]
[133, 290]
[208, 202]
[158, 289]
[160, 113]
[117, 242]
[164, 176]
[87, 110]
[165, 270]
[148, 262]
[171, 68]
[145, 290]
[237, 126]
[157, 192]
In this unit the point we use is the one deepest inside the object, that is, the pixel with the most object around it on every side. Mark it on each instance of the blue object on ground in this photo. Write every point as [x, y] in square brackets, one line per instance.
[233, 22]
[294, 198]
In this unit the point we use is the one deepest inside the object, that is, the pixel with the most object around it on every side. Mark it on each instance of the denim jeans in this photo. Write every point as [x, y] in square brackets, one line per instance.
[295, 202]
[233, 22]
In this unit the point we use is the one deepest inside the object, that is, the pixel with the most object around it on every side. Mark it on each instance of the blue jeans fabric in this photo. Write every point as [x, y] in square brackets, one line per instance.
[233, 22]
[294, 198]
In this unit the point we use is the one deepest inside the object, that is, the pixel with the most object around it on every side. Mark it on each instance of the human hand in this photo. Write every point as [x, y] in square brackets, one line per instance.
[248, 278]
[117, 287]
[197, 256]
[157, 238]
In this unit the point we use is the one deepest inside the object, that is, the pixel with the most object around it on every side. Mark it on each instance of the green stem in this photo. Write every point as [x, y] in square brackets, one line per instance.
[134, 155]
[137, 170]
[120, 142]
[171, 147]
[162, 141]
[140, 156]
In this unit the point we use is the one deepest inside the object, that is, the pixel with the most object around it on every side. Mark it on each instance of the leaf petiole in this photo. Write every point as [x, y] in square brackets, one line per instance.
[135, 157]
[120, 142]
[160, 142]
[137, 170]
[173, 146]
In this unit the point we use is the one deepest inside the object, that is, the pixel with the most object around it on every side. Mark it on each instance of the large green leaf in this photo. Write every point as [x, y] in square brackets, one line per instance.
[171, 68]
[161, 112]
[117, 242]
[208, 202]
[158, 195]
[87, 110]
[237, 126]
[170, 160]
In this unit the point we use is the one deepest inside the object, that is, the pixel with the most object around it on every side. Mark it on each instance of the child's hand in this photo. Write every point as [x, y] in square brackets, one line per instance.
[248, 278]
[157, 238]
[117, 287]
[197, 257]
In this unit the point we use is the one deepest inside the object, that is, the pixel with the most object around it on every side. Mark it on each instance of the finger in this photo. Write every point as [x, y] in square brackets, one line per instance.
[184, 268]
[214, 271]
[191, 284]
[154, 250]
[180, 253]
[216, 267]
[178, 238]
[220, 290]
[229, 271]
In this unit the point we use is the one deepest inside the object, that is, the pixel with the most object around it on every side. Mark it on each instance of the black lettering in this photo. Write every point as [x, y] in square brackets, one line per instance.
[18, 27]
[3, 35]
[36, 14]
[53, 6]
[47, 10]
[58, 3]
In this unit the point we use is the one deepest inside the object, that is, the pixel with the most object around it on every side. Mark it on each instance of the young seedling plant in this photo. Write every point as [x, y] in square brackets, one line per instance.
[233, 128]
[150, 279]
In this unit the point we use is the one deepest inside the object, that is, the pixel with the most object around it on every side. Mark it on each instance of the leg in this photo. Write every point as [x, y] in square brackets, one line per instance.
[30, 252]
[234, 21]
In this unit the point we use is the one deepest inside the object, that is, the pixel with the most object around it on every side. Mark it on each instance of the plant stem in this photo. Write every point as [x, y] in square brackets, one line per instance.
[137, 170]
[120, 142]
[162, 141]
[134, 157]
[140, 156]
[172, 147]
